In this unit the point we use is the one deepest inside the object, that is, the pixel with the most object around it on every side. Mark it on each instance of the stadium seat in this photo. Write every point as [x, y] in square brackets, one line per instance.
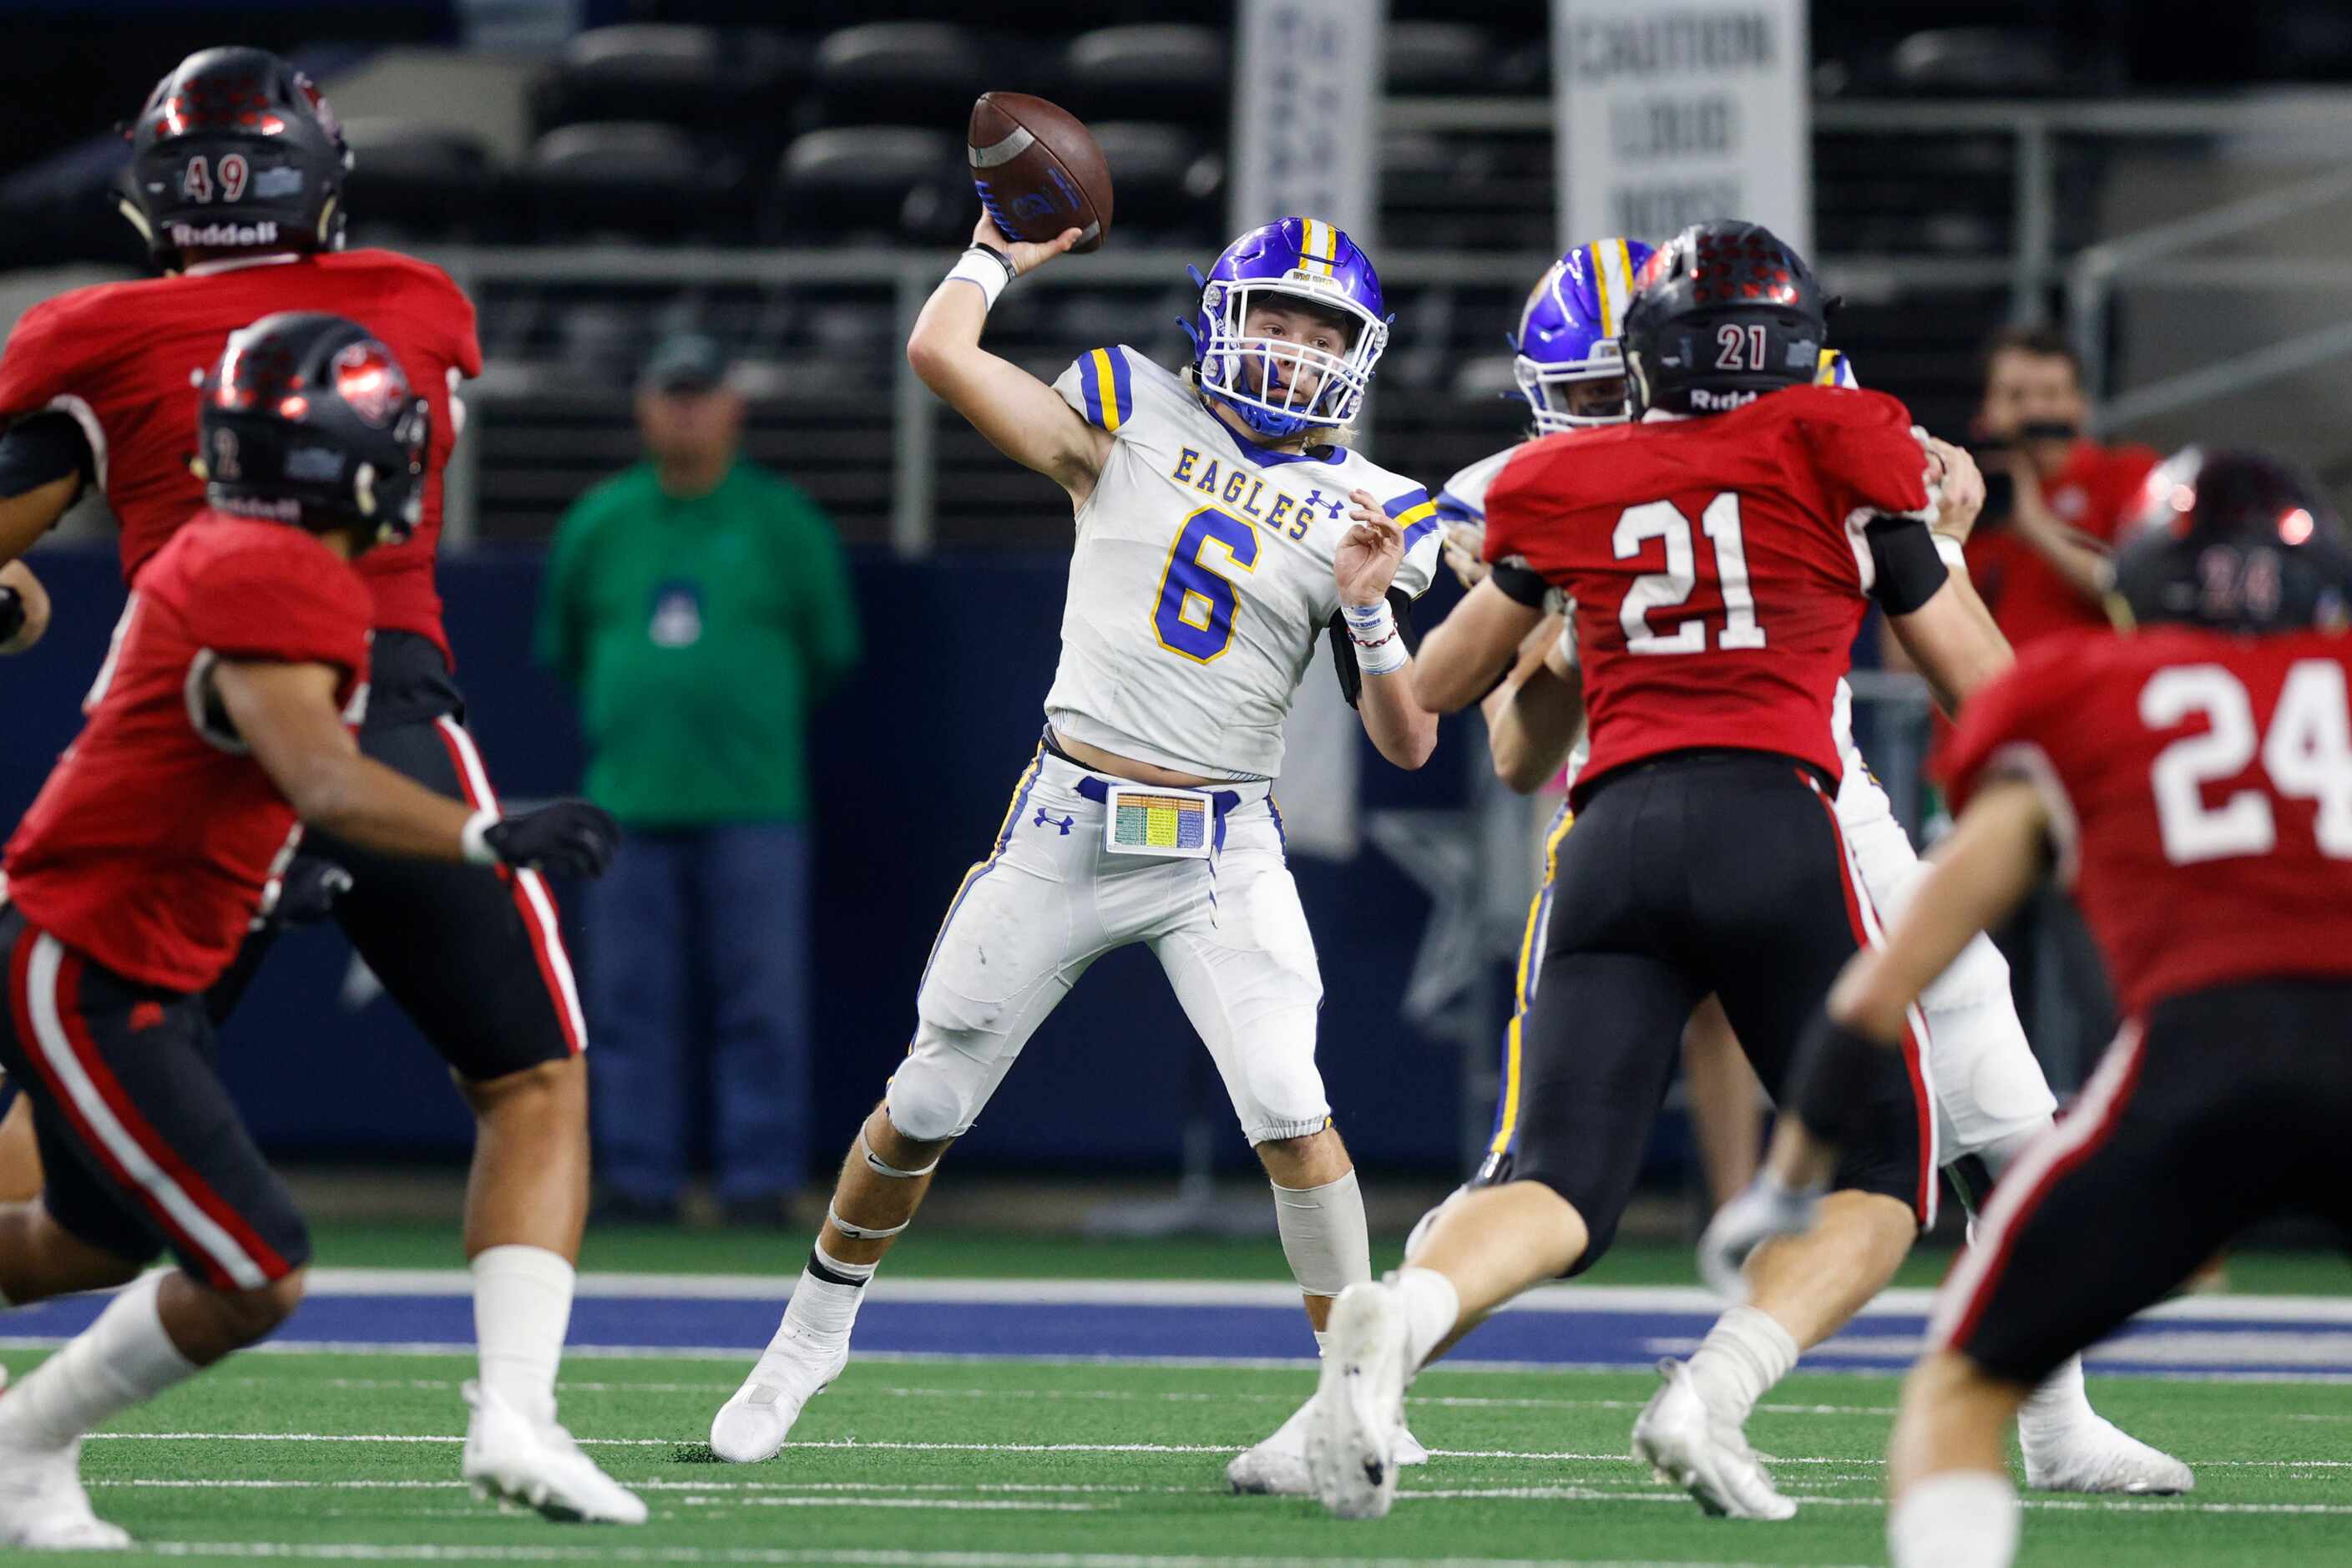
[695, 77]
[904, 73]
[1433, 57]
[1164, 179]
[1169, 71]
[2005, 62]
[645, 180]
[875, 184]
[419, 178]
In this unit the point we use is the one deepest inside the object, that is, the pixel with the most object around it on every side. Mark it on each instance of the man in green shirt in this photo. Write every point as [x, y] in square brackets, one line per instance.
[701, 605]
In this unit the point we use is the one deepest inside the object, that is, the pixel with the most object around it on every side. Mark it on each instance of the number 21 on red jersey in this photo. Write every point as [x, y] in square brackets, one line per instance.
[1660, 591]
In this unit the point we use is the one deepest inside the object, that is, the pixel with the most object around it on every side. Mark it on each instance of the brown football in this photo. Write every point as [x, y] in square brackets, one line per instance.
[1038, 169]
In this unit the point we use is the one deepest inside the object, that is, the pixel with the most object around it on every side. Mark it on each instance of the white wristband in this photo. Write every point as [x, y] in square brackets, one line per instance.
[984, 268]
[1955, 553]
[1379, 647]
[476, 841]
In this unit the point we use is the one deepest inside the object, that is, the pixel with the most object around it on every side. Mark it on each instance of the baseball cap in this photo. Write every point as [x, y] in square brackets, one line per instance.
[685, 362]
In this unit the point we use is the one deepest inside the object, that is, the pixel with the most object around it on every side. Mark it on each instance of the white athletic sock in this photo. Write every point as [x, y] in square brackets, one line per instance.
[123, 1359]
[522, 1310]
[1432, 1307]
[2057, 1408]
[825, 1300]
[1961, 1519]
[1742, 1357]
[1324, 1236]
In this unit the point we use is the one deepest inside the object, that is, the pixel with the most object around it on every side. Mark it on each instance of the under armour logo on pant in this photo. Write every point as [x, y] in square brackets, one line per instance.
[1064, 824]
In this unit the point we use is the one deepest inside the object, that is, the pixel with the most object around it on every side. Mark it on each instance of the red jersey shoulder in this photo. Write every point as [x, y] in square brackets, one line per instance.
[2037, 701]
[1838, 407]
[422, 287]
[60, 336]
[264, 590]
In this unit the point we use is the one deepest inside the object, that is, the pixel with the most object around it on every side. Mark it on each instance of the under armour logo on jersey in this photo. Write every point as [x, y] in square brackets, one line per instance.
[1064, 824]
[1315, 498]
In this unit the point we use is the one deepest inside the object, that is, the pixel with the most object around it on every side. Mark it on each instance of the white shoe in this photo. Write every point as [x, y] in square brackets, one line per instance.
[1358, 1411]
[2098, 1456]
[510, 1457]
[1688, 1445]
[793, 1370]
[1278, 1466]
[43, 1507]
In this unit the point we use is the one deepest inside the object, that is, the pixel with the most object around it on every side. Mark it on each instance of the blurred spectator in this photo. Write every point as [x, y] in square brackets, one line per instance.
[2054, 499]
[701, 605]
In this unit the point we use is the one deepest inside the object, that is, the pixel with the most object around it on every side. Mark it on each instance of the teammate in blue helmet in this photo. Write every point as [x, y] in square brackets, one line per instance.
[1279, 374]
[1569, 368]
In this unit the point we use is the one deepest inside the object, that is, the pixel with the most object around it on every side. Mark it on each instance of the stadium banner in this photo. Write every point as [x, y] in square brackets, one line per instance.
[1670, 113]
[1307, 80]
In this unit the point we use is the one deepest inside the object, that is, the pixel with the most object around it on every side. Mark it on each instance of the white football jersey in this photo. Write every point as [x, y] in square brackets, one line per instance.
[1202, 580]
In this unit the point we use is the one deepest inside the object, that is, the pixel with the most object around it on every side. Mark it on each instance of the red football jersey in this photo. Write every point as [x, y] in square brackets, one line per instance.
[1718, 565]
[2200, 788]
[150, 845]
[120, 357]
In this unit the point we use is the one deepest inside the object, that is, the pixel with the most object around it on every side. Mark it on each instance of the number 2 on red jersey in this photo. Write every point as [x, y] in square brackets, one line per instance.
[1662, 519]
[2307, 755]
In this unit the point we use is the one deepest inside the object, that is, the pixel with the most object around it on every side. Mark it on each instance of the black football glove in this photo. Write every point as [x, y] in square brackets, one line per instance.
[570, 838]
[308, 891]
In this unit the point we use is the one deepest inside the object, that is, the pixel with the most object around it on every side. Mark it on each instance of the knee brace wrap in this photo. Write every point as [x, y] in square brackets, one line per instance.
[863, 1232]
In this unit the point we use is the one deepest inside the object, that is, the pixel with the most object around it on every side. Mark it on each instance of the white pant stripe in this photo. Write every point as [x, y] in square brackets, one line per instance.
[2022, 1185]
[199, 1228]
[541, 908]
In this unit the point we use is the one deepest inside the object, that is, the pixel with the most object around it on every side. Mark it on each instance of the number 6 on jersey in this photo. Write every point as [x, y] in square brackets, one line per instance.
[1194, 612]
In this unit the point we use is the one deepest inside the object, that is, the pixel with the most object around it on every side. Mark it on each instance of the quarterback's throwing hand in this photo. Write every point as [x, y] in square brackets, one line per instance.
[1370, 552]
[1026, 257]
[1766, 1209]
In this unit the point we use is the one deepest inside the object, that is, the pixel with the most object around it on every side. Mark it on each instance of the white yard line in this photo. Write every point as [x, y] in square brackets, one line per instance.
[783, 1557]
[1539, 1456]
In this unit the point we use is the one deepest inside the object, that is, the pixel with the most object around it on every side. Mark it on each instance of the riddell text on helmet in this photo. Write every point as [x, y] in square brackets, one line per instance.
[186, 235]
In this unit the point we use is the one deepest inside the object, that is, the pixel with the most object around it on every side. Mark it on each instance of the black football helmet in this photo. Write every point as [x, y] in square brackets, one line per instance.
[2236, 541]
[1722, 313]
[234, 151]
[309, 419]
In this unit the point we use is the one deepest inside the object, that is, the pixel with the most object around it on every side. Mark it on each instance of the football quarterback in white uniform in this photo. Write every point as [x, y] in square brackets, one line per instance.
[1222, 525]
[1990, 1096]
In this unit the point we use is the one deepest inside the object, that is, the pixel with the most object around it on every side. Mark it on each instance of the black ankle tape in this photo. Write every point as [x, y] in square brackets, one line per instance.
[817, 1266]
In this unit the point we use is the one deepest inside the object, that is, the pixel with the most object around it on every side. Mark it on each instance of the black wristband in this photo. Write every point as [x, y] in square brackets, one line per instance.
[1828, 1089]
[1002, 260]
[12, 612]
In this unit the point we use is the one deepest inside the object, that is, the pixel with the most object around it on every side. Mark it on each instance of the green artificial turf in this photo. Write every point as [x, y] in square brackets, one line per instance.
[974, 1464]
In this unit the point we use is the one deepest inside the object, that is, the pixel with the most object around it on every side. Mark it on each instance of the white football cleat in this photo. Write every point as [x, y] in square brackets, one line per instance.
[42, 1505]
[541, 1467]
[2098, 1456]
[1688, 1445]
[1278, 1466]
[1357, 1416]
[793, 1370]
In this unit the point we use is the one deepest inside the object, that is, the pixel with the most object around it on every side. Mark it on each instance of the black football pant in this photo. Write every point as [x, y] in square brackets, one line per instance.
[474, 957]
[2221, 1108]
[1700, 871]
[141, 1149]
